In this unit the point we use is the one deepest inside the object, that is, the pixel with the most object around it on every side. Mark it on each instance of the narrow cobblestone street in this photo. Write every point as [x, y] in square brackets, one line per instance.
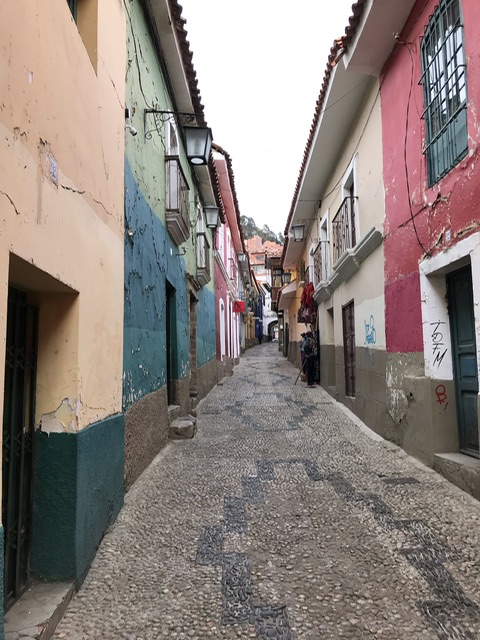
[283, 518]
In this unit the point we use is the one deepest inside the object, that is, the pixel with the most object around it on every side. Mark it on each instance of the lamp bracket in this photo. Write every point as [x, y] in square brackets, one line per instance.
[160, 117]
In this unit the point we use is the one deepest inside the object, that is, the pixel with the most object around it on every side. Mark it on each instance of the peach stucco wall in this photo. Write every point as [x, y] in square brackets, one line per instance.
[59, 108]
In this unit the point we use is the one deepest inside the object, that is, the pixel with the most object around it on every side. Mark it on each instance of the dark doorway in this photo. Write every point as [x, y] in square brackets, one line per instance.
[171, 336]
[18, 424]
[349, 348]
[464, 352]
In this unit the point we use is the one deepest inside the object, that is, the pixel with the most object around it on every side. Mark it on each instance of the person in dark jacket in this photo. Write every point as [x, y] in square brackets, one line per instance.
[309, 350]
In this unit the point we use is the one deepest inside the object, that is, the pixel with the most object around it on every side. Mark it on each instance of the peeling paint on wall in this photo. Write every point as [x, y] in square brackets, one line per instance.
[147, 265]
[62, 420]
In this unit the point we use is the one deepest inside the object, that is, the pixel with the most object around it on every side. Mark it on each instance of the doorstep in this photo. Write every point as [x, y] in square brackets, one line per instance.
[461, 470]
[36, 614]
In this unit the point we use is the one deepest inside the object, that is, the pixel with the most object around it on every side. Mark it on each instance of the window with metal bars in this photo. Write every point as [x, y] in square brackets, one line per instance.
[445, 90]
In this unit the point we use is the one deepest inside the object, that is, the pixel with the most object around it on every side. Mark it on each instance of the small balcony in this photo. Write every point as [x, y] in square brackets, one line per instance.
[343, 228]
[203, 259]
[178, 203]
[320, 262]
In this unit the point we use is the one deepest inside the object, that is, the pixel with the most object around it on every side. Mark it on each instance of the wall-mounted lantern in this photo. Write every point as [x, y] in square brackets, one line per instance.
[298, 231]
[211, 215]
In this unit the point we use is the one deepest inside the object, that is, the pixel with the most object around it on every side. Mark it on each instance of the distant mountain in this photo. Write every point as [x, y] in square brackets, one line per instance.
[250, 229]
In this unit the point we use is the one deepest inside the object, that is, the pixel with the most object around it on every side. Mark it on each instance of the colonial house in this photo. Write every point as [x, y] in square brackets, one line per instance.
[334, 239]
[61, 293]
[430, 95]
[171, 213]
[231, 271]
[260, 253]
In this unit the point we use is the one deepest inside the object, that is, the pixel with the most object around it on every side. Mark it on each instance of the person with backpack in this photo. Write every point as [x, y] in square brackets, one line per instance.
[309, 350]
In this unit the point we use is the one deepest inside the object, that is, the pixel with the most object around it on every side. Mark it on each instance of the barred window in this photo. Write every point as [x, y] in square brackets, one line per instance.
[444, 90]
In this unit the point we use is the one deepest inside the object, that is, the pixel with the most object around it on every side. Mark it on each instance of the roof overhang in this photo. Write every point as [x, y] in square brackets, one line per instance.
[167, 43]
[285, 295]
[374, 38]
[334, 124]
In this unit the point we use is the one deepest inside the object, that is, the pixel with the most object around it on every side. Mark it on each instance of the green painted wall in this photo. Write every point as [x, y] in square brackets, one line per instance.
[78, 492]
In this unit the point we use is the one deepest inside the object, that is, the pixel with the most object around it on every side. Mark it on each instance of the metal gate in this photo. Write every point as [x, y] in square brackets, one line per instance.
[18, 420]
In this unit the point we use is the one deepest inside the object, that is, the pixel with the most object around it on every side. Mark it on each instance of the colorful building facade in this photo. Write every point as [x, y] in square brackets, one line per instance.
[61, 291]
[430, 92]
[170, 317]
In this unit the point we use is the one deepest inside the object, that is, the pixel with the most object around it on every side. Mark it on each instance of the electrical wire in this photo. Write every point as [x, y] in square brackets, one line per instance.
[407, 178]
[150, 106]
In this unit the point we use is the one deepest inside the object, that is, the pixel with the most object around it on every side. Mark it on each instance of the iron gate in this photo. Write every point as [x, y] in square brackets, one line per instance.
[18, 420]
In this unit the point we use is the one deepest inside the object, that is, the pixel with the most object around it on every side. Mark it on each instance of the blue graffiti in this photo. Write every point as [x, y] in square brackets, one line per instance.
[370, 331]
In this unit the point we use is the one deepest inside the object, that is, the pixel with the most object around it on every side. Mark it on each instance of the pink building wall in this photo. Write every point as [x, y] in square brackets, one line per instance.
[437, 217]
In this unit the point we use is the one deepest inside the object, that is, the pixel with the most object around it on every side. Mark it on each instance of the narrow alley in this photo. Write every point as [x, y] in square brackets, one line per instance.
[283, 518]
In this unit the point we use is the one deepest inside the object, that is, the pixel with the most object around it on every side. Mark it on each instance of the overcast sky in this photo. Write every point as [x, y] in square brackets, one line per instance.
[260, 66]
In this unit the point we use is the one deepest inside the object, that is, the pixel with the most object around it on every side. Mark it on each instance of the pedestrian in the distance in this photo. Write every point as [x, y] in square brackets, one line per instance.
[302, 356]
[309, 350]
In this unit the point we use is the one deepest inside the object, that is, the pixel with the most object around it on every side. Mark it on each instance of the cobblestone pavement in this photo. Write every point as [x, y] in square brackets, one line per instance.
[283, 519]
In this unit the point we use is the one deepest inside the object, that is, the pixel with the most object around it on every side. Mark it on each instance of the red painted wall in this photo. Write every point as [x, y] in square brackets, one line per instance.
[417, 217]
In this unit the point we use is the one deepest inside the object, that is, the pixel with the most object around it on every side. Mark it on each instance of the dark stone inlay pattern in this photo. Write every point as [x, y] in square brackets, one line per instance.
[431, 546]
[236, 589]
[443, 622]
[426, 558]
[443, 584]
[234, 514]
[400, 480]
[210, 546]
[252, 489]
[426, 555]
[265, 469]
[271, 622]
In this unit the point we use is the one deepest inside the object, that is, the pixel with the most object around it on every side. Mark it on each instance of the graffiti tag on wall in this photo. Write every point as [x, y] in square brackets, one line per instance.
[370, 338]
[441, 394]
[370, 331]
[439, 348]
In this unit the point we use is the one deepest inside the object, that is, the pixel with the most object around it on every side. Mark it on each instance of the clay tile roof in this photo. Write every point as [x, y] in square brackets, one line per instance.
[178, 23]
[340, 45]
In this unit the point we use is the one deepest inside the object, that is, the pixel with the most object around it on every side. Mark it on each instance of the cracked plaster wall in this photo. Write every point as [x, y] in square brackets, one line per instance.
[61, 197]
[444, 213]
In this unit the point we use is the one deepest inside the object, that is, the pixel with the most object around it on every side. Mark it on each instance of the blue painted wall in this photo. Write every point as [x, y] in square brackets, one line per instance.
[150, 258]
[78, 492]
[206, 326]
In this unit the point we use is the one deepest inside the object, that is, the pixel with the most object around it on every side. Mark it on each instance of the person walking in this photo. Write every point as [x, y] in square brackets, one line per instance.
[309, 350]
[302, 356]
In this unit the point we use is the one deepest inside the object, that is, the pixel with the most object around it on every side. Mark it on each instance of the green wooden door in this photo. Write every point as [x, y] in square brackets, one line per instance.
[462, 325]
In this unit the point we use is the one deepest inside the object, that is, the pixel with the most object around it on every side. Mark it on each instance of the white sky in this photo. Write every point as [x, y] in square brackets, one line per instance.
[260, 66]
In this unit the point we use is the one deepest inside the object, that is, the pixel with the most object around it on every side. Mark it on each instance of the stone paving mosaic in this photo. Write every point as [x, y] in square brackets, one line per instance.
[282, 519]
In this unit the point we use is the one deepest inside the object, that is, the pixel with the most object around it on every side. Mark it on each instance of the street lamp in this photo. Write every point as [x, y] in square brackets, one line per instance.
[298, 232]
[286, 277]
[211, 214]
[199, 142]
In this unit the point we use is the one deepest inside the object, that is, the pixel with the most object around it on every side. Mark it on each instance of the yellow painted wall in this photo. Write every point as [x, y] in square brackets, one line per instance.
[63, 105]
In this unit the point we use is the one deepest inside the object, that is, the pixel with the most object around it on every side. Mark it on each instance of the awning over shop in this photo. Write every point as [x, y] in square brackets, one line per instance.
[286, 295]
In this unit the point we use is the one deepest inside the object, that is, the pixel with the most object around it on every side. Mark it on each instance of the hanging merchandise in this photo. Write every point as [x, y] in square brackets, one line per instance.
[239, 306]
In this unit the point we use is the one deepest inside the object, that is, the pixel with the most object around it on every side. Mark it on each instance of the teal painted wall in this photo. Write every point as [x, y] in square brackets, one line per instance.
[78, 492]
[150, 259]
[206, 327]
